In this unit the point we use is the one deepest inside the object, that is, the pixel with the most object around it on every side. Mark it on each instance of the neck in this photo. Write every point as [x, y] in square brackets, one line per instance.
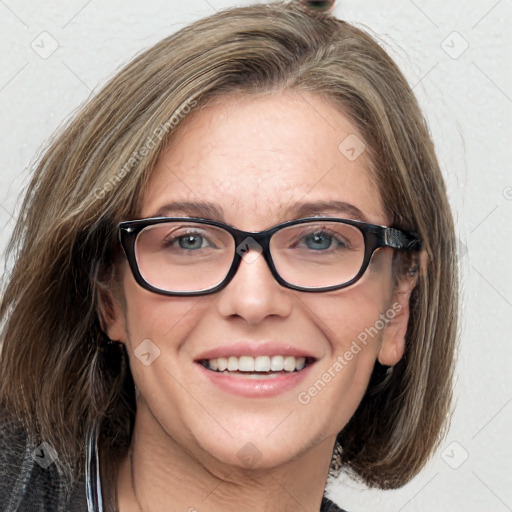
[161, 475]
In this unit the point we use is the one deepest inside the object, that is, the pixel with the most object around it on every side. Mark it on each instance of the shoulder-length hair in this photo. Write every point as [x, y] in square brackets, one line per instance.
[57, 371]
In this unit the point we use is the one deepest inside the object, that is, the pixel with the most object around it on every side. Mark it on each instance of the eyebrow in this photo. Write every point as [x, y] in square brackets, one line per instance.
[213, 211]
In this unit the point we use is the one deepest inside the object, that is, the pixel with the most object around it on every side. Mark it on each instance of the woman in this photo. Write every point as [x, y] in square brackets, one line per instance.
[234, 274]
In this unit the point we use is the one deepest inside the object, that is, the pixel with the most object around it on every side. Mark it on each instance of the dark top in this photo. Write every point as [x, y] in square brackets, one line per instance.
[29, 484]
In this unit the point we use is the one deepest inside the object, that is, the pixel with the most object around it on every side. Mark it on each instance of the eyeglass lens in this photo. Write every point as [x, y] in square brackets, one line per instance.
[180, 256]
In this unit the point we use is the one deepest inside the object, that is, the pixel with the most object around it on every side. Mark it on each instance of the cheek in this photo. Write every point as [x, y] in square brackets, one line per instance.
[351, 322]
[157, 327]
[347, 314]
[156, 317]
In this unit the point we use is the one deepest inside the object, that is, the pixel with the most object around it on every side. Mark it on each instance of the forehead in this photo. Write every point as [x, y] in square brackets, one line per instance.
[257, 155]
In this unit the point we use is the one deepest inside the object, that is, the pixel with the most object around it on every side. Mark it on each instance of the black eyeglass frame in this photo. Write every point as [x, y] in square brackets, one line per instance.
[375, 236]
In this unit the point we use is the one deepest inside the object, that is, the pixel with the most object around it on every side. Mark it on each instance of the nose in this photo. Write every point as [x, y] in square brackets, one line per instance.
[253, 293]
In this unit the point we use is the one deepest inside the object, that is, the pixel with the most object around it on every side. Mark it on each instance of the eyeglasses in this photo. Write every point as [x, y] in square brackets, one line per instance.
[194, 256]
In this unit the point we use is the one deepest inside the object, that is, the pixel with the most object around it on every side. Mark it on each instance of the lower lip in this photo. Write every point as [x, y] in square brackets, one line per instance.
[249, 387]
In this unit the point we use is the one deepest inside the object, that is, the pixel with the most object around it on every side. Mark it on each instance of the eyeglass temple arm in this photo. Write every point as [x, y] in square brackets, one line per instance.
[401, 240]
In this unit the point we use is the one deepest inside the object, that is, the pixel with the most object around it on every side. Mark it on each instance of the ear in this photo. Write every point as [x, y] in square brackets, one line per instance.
[110, 313]
[393, 339]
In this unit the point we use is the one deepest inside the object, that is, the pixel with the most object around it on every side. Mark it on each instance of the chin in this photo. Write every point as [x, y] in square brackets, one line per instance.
[266, 449]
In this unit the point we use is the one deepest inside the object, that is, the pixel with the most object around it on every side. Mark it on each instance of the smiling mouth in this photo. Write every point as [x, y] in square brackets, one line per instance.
[260, 366]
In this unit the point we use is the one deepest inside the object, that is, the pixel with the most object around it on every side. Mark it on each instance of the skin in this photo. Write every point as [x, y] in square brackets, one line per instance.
[252, 156]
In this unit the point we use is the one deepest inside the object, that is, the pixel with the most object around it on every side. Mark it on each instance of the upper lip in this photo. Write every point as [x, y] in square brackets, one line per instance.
[254, 349]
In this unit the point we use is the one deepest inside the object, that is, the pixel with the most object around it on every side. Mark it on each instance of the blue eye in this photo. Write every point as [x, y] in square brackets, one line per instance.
[186, 242]
[322, 240]
[319, 241]
[192, 240]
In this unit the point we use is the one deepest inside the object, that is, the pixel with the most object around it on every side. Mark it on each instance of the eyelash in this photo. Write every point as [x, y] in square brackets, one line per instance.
[170, 240]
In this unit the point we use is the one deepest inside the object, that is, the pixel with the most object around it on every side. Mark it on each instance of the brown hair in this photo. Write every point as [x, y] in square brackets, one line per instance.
[58, 374]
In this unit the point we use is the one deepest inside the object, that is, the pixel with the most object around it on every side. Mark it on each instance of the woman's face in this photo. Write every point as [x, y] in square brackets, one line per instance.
[254, 157]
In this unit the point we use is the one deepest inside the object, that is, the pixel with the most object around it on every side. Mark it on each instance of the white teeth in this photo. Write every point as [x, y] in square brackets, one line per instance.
[262, 364]
[289, 363]
[277, 363]
[257, 364]
[245, 364]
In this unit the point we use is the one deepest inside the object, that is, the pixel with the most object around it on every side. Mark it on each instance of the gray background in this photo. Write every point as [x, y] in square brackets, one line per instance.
[456, 54]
